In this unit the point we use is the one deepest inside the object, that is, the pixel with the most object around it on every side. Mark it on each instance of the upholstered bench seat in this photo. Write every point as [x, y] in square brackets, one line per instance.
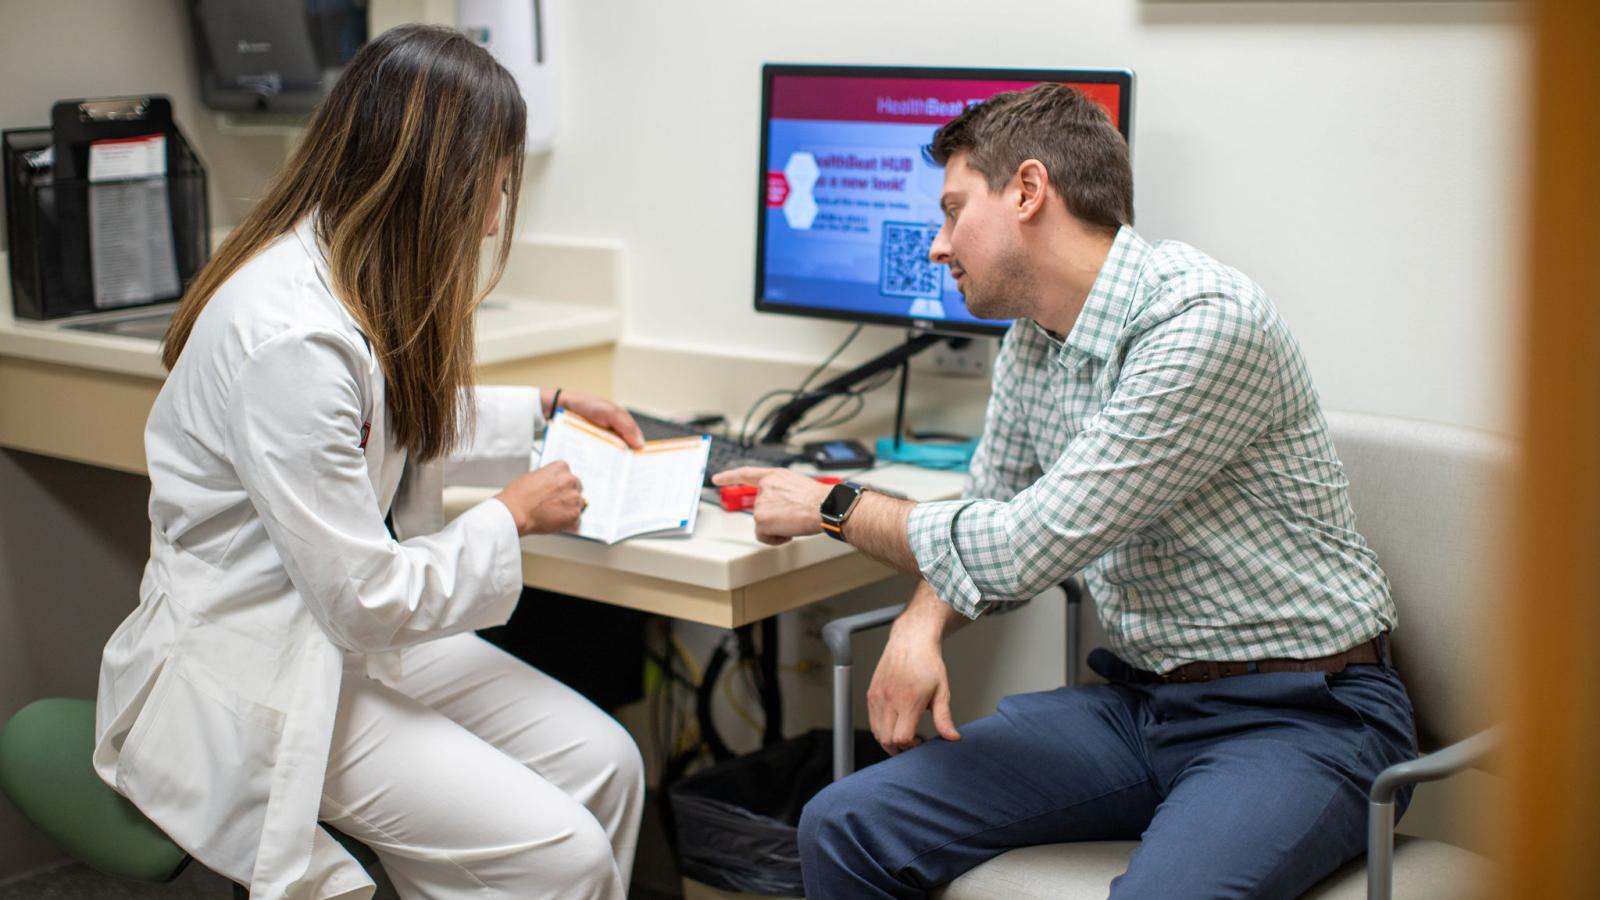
[1424, 870]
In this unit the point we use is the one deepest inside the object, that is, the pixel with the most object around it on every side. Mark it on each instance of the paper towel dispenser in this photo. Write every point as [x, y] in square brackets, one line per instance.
[273, 55]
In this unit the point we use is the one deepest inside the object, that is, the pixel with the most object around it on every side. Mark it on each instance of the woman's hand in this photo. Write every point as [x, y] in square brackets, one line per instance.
[604, 413]
[545, 501]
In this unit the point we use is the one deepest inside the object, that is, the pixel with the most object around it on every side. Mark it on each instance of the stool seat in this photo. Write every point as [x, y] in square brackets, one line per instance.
[45, 769]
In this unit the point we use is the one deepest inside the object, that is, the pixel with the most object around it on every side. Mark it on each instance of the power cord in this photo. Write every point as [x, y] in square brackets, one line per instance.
[746, 434]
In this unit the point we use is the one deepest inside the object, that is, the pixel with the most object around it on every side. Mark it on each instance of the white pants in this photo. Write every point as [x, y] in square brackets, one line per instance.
[484, 777]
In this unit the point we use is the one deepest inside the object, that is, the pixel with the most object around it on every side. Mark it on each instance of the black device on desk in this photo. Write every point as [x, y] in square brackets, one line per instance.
[838, 454]
[726, 453]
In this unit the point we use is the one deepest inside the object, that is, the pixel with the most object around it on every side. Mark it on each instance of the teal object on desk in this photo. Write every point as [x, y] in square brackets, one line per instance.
[954, 457]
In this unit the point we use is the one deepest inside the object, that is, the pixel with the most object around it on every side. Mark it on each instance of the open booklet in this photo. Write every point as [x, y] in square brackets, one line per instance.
[652, 490]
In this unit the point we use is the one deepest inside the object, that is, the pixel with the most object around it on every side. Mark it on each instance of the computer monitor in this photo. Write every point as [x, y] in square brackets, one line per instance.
[848, 205]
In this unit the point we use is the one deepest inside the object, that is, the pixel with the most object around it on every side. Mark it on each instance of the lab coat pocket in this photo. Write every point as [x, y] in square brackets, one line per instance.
[199, 763]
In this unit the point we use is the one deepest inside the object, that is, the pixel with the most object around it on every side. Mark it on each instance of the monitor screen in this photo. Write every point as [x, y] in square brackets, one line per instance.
[848, 205]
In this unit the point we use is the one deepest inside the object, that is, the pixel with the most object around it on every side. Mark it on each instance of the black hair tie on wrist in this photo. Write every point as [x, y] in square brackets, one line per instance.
[555, 401]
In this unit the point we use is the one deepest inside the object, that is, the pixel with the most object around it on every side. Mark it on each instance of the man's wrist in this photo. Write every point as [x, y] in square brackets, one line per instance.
[922, 625]
[836, 505]
[927, 616]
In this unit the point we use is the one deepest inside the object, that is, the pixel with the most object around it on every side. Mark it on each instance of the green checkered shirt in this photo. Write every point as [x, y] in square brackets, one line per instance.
[1173, 451]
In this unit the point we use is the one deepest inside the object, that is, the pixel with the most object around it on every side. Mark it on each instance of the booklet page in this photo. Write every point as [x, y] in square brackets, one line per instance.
[655, 489]
[600, 461]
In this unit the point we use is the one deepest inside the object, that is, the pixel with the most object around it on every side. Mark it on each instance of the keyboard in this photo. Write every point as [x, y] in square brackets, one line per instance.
[726, 453]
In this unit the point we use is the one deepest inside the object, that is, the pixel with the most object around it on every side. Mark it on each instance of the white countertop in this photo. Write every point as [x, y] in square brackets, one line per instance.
[538, 309]
[722, 553]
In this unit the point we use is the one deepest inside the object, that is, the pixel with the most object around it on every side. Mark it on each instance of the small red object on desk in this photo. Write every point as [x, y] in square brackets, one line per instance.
[738, 497]
[742, 497]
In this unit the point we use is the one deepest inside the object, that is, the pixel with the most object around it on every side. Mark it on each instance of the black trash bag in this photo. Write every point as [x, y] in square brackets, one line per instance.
[737, 821]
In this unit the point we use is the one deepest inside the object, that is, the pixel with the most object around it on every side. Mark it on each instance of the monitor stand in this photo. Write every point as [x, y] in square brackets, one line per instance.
[791, 412]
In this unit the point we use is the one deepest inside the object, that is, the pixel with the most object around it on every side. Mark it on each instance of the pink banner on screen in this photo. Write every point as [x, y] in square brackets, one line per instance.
[912, 101]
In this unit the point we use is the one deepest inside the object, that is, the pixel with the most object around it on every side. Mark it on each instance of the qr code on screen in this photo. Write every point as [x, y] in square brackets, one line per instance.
[906, 269]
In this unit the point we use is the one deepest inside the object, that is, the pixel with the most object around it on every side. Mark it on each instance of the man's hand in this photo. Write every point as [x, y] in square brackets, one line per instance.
[545, 501]
[910, 680]
[604, 413]
[789, 504]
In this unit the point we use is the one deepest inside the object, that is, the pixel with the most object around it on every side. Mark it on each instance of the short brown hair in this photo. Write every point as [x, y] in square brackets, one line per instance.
[1084, 154]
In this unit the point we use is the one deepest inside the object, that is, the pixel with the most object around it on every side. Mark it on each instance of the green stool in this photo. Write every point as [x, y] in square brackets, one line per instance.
[45, 769]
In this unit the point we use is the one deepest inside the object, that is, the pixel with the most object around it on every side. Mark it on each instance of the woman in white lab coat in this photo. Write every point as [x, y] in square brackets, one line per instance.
[291, 660]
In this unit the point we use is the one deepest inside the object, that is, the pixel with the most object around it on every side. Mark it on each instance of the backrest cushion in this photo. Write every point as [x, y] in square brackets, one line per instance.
[1431, 501]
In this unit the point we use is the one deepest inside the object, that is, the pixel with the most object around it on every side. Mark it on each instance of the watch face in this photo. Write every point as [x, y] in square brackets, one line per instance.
[839, 499]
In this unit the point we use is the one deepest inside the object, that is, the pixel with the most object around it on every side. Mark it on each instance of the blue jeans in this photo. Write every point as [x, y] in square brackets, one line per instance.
[1251, 786]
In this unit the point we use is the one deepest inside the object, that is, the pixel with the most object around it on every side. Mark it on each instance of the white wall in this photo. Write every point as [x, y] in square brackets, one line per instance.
[1360, 160]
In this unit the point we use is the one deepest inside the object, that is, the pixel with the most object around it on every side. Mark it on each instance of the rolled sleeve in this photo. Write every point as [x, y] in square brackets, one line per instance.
[931, 530]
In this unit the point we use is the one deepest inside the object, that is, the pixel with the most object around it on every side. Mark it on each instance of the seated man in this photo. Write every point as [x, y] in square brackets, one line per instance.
[1152, 425]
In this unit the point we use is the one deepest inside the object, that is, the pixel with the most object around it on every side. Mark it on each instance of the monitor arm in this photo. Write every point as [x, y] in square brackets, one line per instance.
[791, 412]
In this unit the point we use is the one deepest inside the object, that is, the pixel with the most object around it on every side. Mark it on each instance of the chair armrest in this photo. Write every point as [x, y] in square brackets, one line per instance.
[1441, 763]
[1380, 802]
[836, 634]
[1075, 589]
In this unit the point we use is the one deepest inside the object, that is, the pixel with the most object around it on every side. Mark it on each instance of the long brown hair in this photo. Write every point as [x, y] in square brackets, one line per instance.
[399, 164]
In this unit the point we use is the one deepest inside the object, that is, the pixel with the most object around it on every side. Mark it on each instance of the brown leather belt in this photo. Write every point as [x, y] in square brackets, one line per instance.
[1367, 654]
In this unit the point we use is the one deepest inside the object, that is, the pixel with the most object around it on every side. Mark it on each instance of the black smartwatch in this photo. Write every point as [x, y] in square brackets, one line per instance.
[837, 507]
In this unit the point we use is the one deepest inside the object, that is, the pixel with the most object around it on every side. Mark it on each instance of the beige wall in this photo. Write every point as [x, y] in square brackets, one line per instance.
[73, 539]
[63, 49]
[73, 542]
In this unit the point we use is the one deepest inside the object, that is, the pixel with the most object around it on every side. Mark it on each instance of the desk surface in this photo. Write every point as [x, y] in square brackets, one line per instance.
[554, 319]
[720, 575]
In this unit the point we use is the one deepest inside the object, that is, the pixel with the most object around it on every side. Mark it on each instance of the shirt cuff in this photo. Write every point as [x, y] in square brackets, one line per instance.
[493, 519]
[500, 446]
[931, 533]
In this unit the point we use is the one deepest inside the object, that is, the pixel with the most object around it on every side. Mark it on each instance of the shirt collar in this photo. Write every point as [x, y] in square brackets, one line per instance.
[1105, 311]
[305, 231]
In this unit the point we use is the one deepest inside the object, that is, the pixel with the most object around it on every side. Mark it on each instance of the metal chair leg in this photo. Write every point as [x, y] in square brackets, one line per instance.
[844, 732]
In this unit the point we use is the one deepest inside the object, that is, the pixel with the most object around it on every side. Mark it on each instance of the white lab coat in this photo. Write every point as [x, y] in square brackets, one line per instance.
[270, 568]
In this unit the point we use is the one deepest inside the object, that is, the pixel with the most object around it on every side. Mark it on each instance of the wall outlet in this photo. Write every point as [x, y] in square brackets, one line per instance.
[971, 359]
